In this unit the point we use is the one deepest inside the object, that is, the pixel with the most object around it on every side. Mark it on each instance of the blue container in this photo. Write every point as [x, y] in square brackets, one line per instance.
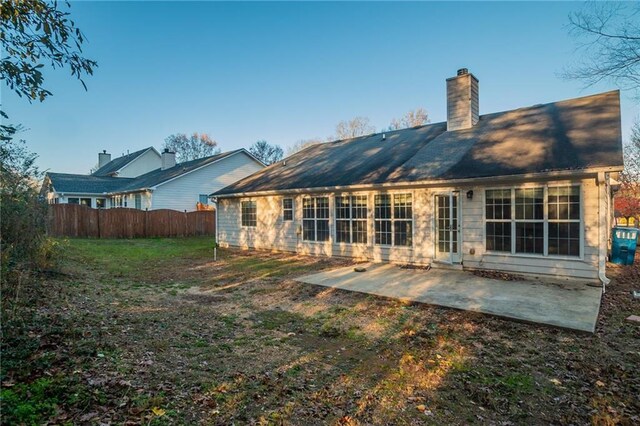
[623, 247]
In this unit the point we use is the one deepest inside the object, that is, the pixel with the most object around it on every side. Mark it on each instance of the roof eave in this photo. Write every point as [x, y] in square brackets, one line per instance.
[556, 174]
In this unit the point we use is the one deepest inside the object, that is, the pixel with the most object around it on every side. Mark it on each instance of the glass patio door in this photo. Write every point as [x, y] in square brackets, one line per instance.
[447, 227]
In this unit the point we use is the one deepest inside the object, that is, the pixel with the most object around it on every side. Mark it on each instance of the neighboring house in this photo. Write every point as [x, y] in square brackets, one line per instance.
[149, 180]
[524, 191]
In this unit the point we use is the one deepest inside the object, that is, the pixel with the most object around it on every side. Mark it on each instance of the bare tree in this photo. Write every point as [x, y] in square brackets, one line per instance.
[302, 144]
[358, 126]
[266, 152]
[198, 145]
[416, 117]
[608, 37]
[632, 156]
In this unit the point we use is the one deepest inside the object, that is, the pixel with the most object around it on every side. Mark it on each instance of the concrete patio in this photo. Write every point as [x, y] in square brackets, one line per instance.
[572, 305]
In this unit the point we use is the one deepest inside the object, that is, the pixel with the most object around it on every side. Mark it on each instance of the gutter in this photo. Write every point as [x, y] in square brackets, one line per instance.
[441, 182]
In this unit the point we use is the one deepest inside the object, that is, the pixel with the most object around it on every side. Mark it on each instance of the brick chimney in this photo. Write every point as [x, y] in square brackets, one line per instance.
[462, 101]
[168, 159]
[103, 158]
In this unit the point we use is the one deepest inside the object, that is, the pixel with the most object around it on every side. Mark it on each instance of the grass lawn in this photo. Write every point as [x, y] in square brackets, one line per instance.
[154, 331]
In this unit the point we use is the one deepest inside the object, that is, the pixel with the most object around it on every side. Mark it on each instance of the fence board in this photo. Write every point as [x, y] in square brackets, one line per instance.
[73, 220]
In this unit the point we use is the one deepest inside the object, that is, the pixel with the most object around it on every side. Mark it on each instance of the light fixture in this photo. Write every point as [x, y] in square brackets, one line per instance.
[470, 194]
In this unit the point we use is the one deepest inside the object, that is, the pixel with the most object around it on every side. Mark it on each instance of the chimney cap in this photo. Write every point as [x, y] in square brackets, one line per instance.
[463, 71]
[104, 151]
[166, 150]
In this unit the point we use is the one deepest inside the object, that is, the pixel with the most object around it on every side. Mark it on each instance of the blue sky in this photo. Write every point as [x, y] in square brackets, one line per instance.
[289, 71]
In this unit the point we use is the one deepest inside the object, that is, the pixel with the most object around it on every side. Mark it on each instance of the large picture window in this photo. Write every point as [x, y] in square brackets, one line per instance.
[351, 219]
[525, 220]
[315, 219]
[249, 213]
[393, 217]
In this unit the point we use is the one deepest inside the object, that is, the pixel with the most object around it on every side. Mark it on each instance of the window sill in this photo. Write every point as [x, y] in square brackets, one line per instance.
[533, 256]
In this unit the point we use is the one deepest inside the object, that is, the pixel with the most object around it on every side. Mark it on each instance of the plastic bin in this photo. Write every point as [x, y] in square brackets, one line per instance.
[623, 246]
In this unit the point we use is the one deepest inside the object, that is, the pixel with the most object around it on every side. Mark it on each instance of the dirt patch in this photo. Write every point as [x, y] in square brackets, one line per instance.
[497, 275]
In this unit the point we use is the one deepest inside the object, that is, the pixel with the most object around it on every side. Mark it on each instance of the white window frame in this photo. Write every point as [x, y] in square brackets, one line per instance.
[393, 219]
[545, 253]
[351, 219]
[242, 224]
[315, 219]
[292, 209]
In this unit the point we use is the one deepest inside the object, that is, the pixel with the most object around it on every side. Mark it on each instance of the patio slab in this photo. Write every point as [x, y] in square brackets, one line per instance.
[572, 305]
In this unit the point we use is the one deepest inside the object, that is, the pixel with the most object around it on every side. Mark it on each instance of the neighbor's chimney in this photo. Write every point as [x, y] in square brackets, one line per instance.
[462, 101]
[103, 158]
[168, 159]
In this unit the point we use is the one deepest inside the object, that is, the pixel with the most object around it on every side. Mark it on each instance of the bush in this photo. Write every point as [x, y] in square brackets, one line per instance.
[24, 246]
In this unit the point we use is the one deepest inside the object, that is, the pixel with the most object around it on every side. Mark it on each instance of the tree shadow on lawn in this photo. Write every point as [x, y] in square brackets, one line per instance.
[274, 351]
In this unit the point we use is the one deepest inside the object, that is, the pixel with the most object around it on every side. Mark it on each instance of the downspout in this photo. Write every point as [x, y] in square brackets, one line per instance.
[215, 201]
[602, 231]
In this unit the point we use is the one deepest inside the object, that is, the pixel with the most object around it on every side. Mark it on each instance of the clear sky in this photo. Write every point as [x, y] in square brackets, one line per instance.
[288, 71]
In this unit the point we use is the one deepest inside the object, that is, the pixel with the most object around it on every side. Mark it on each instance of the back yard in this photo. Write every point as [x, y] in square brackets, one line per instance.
[153, 331]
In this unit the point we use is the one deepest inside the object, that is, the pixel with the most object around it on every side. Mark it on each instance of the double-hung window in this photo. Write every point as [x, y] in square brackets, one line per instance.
[564, 220]
[351, 219]
[249, 213]
[529, 203]
[138, 201]
[498, 219]
[393, 217]
[540, 220]
[287, 209]
[315, 219]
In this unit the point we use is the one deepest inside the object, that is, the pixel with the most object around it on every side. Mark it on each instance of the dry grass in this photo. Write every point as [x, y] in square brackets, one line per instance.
[154, 331]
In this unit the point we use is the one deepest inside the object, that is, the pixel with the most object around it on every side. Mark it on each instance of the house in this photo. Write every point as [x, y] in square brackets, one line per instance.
[524, 191]
[149, 180]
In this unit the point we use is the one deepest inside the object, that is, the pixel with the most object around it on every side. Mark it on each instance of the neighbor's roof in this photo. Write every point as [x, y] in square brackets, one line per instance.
[158, 176]
[574, 134]
[118, 163]
[86, 184]
[91, 184]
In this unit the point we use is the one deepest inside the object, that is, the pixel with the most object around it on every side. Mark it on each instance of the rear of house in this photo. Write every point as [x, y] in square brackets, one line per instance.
[525, 191]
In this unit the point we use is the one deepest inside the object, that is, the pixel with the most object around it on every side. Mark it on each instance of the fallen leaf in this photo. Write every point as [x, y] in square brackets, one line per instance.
[600, 384]
[158, 411]
[421, 407]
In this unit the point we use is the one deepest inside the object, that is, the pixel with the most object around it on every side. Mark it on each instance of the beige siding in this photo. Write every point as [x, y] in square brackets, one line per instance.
[182, 193]
[273, 233]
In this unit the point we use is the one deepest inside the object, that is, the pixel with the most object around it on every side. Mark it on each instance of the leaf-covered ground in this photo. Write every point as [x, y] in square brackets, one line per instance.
[155, 332]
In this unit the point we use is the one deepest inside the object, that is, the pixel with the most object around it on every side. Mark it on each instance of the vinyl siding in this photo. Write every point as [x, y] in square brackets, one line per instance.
[272, 233]
[145, 163]
[182, 193]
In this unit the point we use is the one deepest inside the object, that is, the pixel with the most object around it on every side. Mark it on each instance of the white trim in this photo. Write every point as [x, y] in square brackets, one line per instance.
[540, 176]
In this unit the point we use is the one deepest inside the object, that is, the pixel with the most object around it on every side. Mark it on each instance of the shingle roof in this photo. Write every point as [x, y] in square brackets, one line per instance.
[118, 163]
[573, 134]
[64, 182]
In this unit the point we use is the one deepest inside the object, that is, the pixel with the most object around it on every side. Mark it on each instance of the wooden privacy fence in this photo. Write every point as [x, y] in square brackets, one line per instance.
[74, 220]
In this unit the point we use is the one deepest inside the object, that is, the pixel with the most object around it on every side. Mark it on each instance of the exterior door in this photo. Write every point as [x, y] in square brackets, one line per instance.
[447, 227]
